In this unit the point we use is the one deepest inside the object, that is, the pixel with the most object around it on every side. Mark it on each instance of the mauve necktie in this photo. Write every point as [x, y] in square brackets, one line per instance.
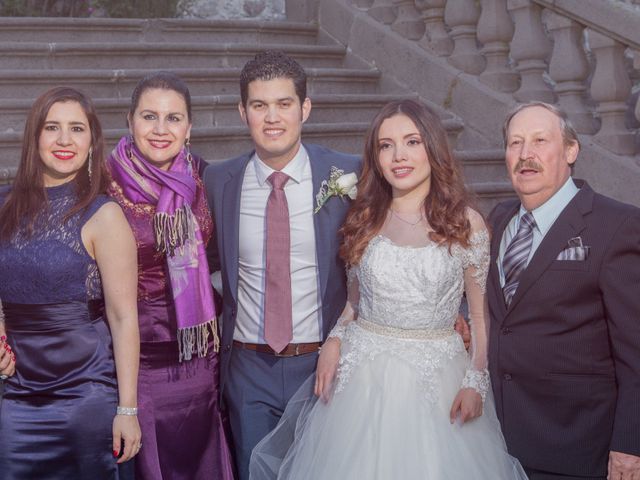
[278, 329]
[516, 255]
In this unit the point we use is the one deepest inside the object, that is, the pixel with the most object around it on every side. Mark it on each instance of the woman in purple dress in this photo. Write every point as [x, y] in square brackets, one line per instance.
[157, 182]
[68, 263]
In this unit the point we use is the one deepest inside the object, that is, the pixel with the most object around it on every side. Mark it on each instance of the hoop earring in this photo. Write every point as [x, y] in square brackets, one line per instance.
[89, 162]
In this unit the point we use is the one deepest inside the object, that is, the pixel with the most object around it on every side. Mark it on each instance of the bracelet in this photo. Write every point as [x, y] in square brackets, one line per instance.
[129, 411]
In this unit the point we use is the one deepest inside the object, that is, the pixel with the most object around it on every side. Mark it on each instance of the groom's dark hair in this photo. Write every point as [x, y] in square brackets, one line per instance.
[269, 65]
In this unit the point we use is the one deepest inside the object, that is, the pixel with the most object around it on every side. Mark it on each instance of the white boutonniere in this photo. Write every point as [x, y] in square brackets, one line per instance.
[339, 185]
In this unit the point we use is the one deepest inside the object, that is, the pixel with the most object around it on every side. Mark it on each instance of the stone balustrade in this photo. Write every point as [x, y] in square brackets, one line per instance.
[581, 54]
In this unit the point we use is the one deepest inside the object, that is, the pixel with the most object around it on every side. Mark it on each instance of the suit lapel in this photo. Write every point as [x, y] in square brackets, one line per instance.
[569, 224]
[231, 222]
[324, 231]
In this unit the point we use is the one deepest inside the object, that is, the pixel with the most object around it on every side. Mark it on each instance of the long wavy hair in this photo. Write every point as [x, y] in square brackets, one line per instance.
[445, 206]
[28, 195]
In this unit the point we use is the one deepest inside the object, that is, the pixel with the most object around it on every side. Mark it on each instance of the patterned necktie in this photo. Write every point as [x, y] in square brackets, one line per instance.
[278, 328]
[516, 255]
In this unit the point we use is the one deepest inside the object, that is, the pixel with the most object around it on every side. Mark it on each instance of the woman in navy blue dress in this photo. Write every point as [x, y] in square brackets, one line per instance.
[68, 291]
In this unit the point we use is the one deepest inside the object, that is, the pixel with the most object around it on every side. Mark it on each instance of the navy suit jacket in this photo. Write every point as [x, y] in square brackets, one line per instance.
[564, 356]
[223, 182]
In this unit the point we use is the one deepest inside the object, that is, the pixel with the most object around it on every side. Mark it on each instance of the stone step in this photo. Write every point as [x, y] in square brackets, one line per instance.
[489, 194]
[483, 165]
[123, 55]
[162, 30]
[201, 81]
[216, 110]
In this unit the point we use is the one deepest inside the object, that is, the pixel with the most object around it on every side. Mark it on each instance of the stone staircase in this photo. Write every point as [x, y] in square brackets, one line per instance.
[106, 57]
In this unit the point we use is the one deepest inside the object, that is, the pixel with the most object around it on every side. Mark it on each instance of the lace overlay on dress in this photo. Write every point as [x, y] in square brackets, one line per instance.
[407, 289]
[32, 274]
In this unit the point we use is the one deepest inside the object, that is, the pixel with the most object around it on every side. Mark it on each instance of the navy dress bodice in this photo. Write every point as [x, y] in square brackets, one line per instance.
[51, 265]
[57, 410]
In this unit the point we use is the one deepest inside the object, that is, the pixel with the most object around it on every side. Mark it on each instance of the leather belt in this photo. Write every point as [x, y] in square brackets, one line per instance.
[291, 350]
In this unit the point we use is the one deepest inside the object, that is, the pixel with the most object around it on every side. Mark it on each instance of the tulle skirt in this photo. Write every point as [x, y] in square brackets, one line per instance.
[381, 426]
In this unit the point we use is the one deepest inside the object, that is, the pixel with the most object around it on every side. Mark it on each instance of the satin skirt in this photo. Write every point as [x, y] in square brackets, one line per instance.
[57, 411]
[182, 431]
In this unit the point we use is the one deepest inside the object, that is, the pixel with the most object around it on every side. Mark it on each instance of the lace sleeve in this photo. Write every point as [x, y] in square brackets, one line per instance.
[350, 312]
[476, 267]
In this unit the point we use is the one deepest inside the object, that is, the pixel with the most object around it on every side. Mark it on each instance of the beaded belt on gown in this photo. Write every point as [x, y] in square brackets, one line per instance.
[408, 333]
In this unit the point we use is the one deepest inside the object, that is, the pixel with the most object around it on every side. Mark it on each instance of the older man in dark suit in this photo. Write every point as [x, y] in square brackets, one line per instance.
[564, 298]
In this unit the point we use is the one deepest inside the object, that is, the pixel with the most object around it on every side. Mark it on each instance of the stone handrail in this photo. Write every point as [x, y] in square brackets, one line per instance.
[581, 54]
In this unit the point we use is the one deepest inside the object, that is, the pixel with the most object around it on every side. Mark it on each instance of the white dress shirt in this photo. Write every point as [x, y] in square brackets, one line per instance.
[545, 216]
[305, 294]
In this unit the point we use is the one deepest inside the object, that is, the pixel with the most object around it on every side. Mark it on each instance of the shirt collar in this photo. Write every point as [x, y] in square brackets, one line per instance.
[547, 213]
[294, 169]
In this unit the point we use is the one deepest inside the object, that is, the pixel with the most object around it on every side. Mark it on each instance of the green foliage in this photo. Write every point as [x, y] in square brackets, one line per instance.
[138, 8]
[85, 8]
[45, 8]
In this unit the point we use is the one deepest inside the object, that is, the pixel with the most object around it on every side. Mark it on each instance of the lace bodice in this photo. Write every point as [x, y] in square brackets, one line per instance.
[414, 287]
[51, 265]
[405, 299]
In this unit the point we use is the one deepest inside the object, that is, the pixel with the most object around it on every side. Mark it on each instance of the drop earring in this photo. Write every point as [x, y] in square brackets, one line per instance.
[187, 145]
[89, 162]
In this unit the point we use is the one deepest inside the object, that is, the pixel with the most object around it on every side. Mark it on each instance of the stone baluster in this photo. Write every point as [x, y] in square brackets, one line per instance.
[435, 39]
[610, 87]
[495, 30]
[383, 11]
[462, 17]
[530, 49]
[408, 22]
[569, 68]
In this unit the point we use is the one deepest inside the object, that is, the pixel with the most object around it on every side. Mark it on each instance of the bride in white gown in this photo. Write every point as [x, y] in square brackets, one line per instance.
[400, 397]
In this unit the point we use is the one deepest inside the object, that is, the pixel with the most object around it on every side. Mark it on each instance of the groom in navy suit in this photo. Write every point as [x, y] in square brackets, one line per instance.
[564, 298]
[283, 283]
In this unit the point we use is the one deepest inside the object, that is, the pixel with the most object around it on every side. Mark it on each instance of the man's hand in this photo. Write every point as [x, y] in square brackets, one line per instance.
[623, 466]
[462, 327]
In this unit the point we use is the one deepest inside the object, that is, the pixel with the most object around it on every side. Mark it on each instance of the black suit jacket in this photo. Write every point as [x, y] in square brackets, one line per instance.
[223, 182]
[564, 357]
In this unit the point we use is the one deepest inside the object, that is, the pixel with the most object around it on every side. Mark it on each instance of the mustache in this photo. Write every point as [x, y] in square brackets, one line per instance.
[527, 164]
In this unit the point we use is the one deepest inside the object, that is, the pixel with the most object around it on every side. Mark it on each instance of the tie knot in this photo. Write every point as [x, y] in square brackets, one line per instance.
[278, 180]
[527, 222]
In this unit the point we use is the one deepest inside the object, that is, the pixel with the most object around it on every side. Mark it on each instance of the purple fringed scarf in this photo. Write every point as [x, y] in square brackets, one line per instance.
[177, 234]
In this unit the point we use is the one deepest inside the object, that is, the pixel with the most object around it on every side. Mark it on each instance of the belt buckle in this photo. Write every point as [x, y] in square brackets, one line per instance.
[288, 355]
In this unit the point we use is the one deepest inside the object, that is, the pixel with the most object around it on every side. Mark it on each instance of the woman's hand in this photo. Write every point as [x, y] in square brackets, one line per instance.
[7, 358]
[327, 367]
[468, 403]
[126, 427]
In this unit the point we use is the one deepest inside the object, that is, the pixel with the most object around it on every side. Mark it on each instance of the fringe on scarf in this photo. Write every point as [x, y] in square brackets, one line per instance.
[172, 231]
[196, 340]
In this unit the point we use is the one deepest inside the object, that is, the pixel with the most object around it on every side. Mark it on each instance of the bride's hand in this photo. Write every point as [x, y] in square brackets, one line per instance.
[468, 403]
[327, 367]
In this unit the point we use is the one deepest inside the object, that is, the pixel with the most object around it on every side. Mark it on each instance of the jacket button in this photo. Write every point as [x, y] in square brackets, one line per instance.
[506, 331]
[507, 376]
[227, 348]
